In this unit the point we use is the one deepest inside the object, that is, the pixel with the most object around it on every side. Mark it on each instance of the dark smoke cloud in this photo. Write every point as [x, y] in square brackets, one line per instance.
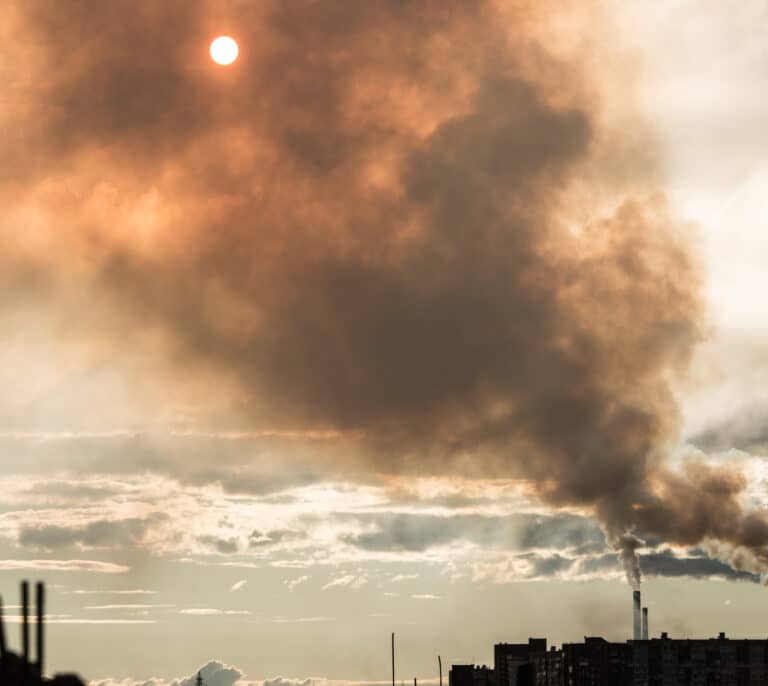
[398, 221]
[665, 563]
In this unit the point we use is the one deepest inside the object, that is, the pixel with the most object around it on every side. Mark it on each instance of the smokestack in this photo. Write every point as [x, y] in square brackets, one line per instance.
[645, 623]
[40, 635]
[636, 615]
[25, 623]
[2, 631]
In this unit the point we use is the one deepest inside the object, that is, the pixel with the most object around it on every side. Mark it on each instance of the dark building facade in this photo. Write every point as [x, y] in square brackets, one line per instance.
[655, 662]
[520, 664]
[471, 675]
[701, 662]
[596, 662]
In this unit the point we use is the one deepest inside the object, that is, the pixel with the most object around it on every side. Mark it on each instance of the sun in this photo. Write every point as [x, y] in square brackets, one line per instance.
[224, 50]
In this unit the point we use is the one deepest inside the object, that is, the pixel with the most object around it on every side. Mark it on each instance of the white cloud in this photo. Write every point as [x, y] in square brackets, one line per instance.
[217, 674]
[210, 612]
[403, 577]
[353, 582]
[127, 607]
[425, 596]
[137, 591]
[237, 585]
[298, 581]
[65, 619]
[64, 566]
[214, 673]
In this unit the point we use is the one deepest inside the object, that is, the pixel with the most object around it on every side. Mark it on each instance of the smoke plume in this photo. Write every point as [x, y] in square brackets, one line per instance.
[431, 227]
[627, 546]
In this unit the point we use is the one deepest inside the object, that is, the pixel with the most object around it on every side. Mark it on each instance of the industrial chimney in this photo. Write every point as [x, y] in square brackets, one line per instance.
[645, 623]
[40, 635]
[25, 623]
[636, 631]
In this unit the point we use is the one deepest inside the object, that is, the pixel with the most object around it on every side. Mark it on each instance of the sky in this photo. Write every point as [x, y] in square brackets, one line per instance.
[433, 317]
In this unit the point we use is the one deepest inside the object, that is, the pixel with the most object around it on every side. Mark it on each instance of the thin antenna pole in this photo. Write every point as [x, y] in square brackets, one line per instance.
[440, 668]
[393, 658]
[414, 682]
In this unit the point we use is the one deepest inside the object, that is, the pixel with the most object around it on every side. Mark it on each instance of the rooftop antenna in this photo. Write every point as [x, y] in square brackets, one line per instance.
[440, 668]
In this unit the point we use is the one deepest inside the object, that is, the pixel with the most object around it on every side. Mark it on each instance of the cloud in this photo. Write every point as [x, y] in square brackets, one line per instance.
[304, 279]
[211, 612]
[292, 584]
[300, 620]
[425, 596]
[745, 430]
[283, 681]
[80, 620]
[130, 591]
[418, 532]
[353, 582]
[97, 534]
[237, 585]
[224, 546]
[258, 539]
[214, 673]
[128, 606]
[94, 566]
[74, 490]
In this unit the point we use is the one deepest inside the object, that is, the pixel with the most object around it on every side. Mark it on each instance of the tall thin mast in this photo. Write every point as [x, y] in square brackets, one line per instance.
[393, 658]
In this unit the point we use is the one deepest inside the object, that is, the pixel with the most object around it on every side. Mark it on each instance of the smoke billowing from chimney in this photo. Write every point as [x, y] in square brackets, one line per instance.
[627, 545]
[434, 234]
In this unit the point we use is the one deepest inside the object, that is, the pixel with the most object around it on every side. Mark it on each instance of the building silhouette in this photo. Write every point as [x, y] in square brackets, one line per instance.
[471, 675]
[659, 661]
[641, 661]
[20, 669]
[513, 661]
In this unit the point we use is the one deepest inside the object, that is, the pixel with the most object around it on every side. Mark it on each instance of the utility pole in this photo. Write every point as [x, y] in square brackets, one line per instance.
[440, 668]
[393, 658]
